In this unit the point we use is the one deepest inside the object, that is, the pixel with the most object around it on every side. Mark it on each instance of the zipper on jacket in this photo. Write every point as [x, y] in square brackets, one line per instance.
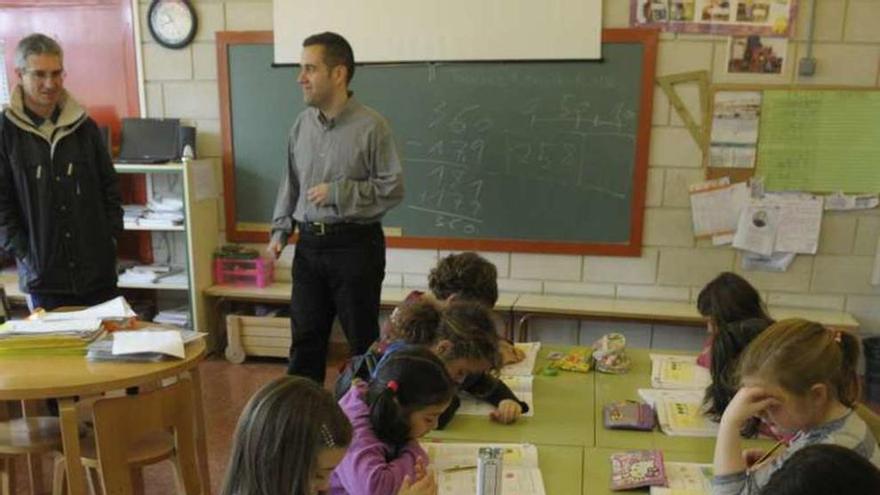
[39, 171]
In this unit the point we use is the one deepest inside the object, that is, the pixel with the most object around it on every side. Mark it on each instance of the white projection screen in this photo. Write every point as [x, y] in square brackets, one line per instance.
[444, 30]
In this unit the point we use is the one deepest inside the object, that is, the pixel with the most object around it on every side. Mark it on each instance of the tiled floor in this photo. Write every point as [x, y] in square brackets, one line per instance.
[226, 389]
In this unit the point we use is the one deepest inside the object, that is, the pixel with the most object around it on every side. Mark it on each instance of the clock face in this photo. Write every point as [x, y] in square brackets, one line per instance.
[172, 22]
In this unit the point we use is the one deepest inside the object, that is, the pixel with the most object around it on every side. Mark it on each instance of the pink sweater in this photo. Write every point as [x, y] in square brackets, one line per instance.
[365, 469]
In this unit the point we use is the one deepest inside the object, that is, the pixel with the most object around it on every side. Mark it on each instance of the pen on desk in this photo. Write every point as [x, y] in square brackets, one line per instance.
[455, 469]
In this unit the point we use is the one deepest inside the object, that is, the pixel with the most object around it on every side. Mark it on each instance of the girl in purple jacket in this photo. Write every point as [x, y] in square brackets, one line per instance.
[400, 404]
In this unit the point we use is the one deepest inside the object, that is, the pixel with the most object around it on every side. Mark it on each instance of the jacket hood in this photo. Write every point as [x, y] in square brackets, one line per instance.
[71, 116]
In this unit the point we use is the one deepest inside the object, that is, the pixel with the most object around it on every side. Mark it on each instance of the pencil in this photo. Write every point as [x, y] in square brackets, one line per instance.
[455, 469]
[767, 454]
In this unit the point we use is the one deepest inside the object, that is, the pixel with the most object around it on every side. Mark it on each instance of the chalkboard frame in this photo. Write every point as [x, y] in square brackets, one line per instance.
[648, 38]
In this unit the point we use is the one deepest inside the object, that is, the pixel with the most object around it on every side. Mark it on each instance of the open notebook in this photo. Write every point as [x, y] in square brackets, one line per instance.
[455, 467]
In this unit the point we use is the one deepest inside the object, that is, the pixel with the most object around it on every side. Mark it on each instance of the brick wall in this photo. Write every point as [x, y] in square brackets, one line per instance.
[673, 265]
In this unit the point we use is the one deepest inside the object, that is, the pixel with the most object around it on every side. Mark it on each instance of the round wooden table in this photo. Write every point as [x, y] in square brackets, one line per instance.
[65, 377]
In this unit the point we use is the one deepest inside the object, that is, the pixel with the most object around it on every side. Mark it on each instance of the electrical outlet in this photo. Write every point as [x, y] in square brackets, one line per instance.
[807, 66]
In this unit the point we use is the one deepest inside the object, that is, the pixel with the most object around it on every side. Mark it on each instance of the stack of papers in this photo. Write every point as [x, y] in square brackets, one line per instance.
[29, 336]
[61, 332]
[145, 345]
[177, 317]
[158, 213]
[680, 412]
[685, 478]
[678, 372]
[455, 465]
[150, 274]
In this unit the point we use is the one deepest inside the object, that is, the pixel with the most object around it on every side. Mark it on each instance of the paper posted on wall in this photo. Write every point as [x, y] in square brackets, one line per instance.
[845, 202]
[776, 262]
[716, 205]
[780, 223]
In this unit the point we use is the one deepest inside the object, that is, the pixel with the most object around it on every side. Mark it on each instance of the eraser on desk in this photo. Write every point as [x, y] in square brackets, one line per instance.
[548, 371]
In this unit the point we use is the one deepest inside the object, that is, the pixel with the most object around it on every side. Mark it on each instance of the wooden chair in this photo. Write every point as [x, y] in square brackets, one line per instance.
[136, 430]
[32, 437]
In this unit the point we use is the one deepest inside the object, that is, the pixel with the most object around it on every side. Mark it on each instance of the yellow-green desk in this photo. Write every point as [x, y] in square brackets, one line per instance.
[597, 468]
[611, 388]
[564, 413]
[561, 469]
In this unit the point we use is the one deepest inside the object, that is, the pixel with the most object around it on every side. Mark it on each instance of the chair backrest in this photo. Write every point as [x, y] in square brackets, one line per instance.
[120, 422]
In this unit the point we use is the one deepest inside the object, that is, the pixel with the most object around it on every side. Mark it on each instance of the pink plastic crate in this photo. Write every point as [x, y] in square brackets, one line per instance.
[255, 272]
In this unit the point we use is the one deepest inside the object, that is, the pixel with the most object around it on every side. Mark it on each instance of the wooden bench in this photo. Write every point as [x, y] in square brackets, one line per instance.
[530, 306]
[270, 336]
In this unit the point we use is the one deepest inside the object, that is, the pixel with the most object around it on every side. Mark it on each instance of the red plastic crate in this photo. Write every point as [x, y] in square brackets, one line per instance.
[257, 272]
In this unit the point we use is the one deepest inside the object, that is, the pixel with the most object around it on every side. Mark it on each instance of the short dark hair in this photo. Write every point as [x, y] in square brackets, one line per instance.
[279, 435]
[467, 325]
[821, 469]
[337, 51]
[467, 275]
[421, 380]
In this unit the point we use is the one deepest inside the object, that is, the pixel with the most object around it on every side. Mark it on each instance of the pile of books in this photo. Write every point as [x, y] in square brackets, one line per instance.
[61, 332]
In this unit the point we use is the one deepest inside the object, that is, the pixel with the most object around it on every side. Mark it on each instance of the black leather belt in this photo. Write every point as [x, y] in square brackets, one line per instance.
[321, 228]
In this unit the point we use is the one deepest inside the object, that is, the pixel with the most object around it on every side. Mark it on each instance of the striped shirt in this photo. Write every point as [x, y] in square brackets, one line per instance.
[849, 431]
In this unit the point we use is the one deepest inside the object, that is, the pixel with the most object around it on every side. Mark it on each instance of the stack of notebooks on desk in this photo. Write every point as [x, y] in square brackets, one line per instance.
[145, 345]
[679, 386]
[61, 332]
[51, 337]
[680, 412]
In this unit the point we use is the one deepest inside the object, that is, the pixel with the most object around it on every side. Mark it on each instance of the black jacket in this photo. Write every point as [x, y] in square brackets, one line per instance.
[60, 207]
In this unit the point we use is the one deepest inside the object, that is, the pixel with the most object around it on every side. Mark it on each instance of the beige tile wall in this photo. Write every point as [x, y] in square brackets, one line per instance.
[673, 265]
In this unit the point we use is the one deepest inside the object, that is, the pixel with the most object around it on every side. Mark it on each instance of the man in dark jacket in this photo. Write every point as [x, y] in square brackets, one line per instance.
[59, 194]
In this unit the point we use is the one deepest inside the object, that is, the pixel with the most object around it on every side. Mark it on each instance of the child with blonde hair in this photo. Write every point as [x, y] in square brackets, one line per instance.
[800, 378]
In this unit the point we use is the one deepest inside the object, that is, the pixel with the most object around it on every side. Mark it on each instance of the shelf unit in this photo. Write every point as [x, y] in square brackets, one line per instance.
[198, 233]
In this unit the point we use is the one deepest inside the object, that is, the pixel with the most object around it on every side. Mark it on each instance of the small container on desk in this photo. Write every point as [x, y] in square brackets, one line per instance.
[254, 272]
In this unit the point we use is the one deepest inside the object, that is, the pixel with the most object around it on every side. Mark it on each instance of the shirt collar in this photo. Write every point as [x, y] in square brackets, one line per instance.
[346, 109]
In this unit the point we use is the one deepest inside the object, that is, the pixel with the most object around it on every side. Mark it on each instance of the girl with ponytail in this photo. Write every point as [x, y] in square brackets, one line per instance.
[801, 379]
[400, 404]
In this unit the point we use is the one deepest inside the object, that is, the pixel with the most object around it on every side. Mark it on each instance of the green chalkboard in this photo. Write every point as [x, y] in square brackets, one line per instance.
[533, 155]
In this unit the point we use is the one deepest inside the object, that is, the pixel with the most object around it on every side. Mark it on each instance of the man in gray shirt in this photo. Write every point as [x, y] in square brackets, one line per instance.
[343, 173]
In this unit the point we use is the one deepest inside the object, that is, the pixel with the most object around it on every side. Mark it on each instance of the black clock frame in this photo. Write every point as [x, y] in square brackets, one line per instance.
[189, 37]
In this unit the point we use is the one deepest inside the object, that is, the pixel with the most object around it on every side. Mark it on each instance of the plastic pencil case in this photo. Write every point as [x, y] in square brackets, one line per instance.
[256, 272]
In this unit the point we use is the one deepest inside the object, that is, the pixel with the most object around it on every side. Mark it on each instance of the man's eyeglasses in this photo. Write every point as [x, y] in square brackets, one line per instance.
[43, 75]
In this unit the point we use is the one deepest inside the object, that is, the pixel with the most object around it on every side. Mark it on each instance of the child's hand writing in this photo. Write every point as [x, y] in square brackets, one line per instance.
[507, 412]
[423, 485]
[747, 403]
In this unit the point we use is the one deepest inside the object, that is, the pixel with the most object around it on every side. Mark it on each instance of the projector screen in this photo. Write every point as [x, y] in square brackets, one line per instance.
[444, 30]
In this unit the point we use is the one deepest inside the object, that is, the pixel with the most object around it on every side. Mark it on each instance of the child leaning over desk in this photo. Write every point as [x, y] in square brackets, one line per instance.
[401, 404]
